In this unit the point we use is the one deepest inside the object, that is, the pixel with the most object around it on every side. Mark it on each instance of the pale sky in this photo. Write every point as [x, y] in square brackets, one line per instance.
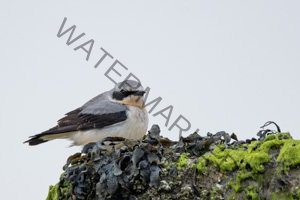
[223, 65]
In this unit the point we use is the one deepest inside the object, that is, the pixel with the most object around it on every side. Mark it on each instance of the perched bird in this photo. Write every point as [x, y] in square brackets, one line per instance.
[119, 112]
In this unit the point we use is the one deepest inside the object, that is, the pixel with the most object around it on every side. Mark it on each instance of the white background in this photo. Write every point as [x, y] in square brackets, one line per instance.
[224, 65]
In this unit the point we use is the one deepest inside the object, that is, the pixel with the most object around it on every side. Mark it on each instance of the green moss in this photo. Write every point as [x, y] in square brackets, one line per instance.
[266, 146]
[229, 160]
[241, 175]
[256, 161]
[253, 145]
[193, 166]
[201, 166]
[252, 193]
[182, 161]
[59, 191]
[270, 137]
[298, 193]
[251, 162]
[214, 194]
[54, 192]
[289, 154]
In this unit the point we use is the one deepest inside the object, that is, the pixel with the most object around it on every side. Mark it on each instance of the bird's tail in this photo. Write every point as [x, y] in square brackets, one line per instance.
[35, 140]
[41, 138]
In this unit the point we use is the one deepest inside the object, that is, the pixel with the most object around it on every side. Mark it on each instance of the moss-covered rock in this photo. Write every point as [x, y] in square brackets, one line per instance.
[60, 190]
[195, 167]
[182, 161]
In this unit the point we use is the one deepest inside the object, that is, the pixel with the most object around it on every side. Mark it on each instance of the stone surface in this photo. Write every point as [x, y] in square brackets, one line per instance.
[195, 167]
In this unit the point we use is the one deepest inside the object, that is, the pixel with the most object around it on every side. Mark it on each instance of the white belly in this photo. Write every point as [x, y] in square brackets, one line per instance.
[134, 127]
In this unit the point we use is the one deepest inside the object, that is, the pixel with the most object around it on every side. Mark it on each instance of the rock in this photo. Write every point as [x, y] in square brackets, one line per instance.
[195, 167]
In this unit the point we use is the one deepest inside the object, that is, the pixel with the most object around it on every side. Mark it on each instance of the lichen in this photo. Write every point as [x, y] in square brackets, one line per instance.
[252, 192]
[60, 190]
[157, 168]
[251, 162]
[182, 161]
[241, 175]
[201, 166]
[270, 137]
[256, 155]
[230, 159]
[53, 193]
[289, 154]
[253, 145]
[298, 193]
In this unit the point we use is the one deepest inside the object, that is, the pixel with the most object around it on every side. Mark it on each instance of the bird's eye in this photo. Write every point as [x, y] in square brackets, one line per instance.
[124, 91]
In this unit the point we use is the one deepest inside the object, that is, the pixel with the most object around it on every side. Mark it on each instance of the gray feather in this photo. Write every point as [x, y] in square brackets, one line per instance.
[100, 105]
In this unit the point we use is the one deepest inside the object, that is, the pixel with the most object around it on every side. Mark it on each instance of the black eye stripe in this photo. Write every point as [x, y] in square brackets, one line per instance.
[118, 95]
[126, 92]
[130, 92]
[122, 94]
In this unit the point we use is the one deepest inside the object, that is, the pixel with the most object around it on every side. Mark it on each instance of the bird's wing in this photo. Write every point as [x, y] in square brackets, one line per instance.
[90, 116]
[99, 112]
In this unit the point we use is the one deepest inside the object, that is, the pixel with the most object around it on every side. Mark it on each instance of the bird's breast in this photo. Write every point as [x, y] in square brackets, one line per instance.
[136, 123]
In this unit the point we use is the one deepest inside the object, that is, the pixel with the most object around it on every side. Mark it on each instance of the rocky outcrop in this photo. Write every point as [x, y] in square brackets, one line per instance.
[216, 166]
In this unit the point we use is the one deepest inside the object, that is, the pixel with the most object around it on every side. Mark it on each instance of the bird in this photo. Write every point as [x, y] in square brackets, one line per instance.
[119, 112]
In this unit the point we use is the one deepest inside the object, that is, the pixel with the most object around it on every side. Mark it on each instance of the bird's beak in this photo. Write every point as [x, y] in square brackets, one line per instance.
[139, 93]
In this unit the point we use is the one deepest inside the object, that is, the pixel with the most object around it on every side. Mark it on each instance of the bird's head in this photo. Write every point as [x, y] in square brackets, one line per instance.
[129, 92]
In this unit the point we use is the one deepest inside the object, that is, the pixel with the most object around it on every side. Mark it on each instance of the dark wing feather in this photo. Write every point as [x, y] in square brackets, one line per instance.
[77, 120]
